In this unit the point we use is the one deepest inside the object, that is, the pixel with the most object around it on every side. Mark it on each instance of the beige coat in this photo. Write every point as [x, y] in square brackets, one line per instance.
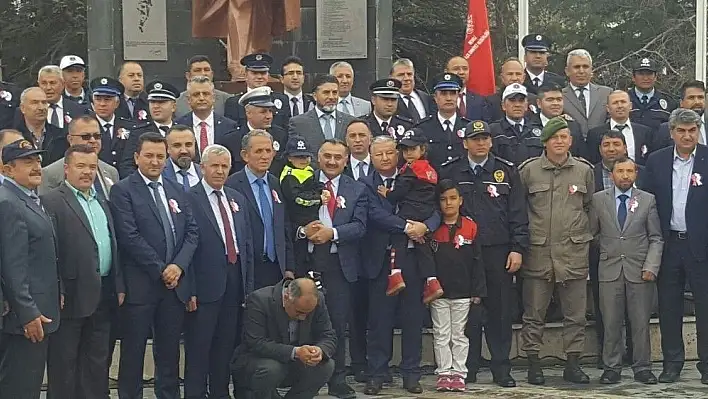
[558, 204]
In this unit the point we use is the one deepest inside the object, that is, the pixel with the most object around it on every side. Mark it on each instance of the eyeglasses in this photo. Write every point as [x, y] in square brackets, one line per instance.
[88, 136]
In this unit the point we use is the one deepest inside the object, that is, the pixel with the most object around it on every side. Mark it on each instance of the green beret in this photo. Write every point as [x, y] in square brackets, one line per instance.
[552, 126]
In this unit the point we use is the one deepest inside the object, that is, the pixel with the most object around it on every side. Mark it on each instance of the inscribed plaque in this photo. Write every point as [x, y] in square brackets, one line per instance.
[341, 29]
[145, 30]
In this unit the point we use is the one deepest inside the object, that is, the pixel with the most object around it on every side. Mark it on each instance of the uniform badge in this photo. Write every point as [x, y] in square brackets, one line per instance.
[663, 104]
[300, 145]
[158, 86]
[6, 95]
[539, 37]
[276, 145]
[390, 83]
[278, 103]
[499, 175]
[536, 132]
[447, 76]
[104, 81]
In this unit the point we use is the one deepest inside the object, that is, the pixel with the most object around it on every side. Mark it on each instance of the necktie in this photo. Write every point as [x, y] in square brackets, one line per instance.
[164, 129]
[332, 203]
[329, 134]
[165, 219]
[519, 128]
[267, 217]
[412, 109]
[388, 182]
[36, 200]
[581, 98]
[384, 126]
[295, 110]
[622, 210]
[131, 106]
[203, 136]
[185, 179]
[231, 253]
[537, 82]
[620, 127]
[55, 116]
[362, 171]
[477, 170]
[107, 128]
[645, 99]
[98, 187]
[448, 126]
[345, 107]
[462, 108]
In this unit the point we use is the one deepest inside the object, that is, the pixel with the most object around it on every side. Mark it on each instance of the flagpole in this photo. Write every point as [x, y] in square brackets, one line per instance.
[701, 7]
[523, 7]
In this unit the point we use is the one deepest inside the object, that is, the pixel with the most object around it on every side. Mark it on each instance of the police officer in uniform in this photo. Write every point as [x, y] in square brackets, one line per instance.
[9, 104]
[260, 109]
[105, 98]
[383, 119]
[536, 49]
[549, 105]
[445, 129]
[257, 75]
[494, 198]
[650, 107]
[515, 136]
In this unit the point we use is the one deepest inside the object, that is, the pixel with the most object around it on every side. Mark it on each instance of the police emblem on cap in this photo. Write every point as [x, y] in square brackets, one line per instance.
[158, 86]
[478, 126]
[278, 103]
[390, 83]
[400, 129]
[276, 145]
[72, 58]
[301, 145]
[25, 145]
[259, 57]
[499, 175]
[536, 131]
[104, 81]
[645, 61]
[447, 76]
[663, 104]
[539, 37]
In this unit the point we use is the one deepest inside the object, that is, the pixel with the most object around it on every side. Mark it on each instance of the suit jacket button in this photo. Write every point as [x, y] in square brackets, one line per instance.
[449, 147]
[113, 152]
[449, 158]
[621, 256]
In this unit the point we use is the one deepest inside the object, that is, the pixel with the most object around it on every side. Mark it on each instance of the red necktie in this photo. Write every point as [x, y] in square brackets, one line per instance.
[231, 253]
[203, 138]
[332, 203]
[462, 108]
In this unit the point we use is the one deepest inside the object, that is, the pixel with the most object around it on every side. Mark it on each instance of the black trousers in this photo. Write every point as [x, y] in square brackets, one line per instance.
[358, 325]
[261, 377]
[421, 256]
[77, 355]
[678, 265]
[266, 273]
[21, 366]
[498, 319]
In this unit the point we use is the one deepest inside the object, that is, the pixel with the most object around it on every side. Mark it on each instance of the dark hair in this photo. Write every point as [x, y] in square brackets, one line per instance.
[357, 120]
[323, 79]
[613, 134]
[623, 159]
[335, 142]
[77, 148]
[180, 128]
[447, 184]
[151, 137]
[547, 88]
[293, 59]
[197, 58]
[692, 84]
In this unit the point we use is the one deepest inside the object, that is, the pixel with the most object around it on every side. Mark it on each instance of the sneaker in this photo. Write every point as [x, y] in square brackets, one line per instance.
[457, 383]
[432, 291]
[443, 383]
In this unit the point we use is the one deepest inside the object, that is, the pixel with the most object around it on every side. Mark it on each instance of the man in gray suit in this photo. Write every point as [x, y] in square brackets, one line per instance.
[584, 101]
[325, 121]
[347, 103]
[200, 65]
[626, 224]
[29, 274]
[82, 130]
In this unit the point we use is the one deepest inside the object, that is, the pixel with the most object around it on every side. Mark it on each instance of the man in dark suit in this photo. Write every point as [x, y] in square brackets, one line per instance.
[693, 97]
[676, 177]
[61, 110]
[93, 285]
[133, 102]
[324, 122]
[158, 236]
[29, 274]
[273, 248]
[638, 137]
[470, 105]
[257, 66]
[334, 243]
[376, 268]
[35, 128]
[536, 50]
[413, 103]
[512, 71]
[292, 76]
[288, 340]
[383, 119]
[182, 166]
[223, 276]
[550, 104]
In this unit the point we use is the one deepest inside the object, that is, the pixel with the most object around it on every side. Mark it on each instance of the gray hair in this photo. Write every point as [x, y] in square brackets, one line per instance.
[579, 52]
[381, 140]
[294, 290]
[214, 150]
[340, 64]
[50, 70]
[23, 96]
[402, 62]
[682, 116]
[200, 80]
[246, 140]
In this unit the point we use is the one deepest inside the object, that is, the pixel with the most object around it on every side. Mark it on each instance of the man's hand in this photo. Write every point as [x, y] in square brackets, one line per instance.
[324, 235]
[316, 356]
[325, 196]
[121, 298]
[5, 308]
[648, 276]
[171, 275]
[416, 229]
[289, 275]
[34, 330]
[382, 190]
[61, 301]
[476, 300]
[192, 304]
[312, 228]
[303, 353]
[513, 262]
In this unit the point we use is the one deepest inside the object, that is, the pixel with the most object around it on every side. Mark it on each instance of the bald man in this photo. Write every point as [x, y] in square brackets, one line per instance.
[469, 105]
[512, 71]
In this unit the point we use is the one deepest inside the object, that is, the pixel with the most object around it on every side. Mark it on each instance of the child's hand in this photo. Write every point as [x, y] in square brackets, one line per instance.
[383, 191]
[325, 196]
[476, 300]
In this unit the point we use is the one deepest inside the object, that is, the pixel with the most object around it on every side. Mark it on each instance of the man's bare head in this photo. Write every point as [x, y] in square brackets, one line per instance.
[300, 298]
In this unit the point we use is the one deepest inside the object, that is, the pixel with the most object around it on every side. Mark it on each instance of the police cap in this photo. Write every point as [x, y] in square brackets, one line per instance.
[161, 91]
[19, 149]
[257, 62]
[447, 81]
[388, 88]
[536, 42]
[297, 147]
[476, 128]
[645, 64]
[106, 86]
[259, 97]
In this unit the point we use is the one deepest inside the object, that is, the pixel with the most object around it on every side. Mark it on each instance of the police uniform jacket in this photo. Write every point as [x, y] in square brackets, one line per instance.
[548, 78]
[443, 146]
[515, 147]
[458, 260]
[113, 143]
[495, 199]
[494, 111]
[653, 114]
[232, 141]
[559, 198]
[281, 114]
[9, 104]
[396, 127]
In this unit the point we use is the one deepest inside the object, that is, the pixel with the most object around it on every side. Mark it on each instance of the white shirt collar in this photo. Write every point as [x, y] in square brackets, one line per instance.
[355, 162]
[60, 103]
[380, 121]
[103, 123]
[693, 154]
[209, 119]
[627, 125]
[575, 88]
[618, 192]
[335, 181]
[544, 120]
[291, 96]
[532, 76]
[513, 123]
[148, 181]
[347, 99]
[210, 190]
[452, 120]
[320, 113]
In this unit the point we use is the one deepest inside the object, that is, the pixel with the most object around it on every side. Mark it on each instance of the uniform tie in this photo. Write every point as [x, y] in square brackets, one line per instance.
[477, 170]
[620, 128]
[537, 82]
[362, 171]
[519, 128]
[164, 129]
[645, 99]
[388, 182]
[107, 128]
[448, 126]
[622, 210]
[55, 115]
[384, 126]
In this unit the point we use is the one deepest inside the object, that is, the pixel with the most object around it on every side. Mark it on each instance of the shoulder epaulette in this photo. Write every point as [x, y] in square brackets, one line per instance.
[403, 118]
[427, 118]
[449, 162]
[462, 118]
[585, 161]
[526, 162]
[567, 117]
[504, 161]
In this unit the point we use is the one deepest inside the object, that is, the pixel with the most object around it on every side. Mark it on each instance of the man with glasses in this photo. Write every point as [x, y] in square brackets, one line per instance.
[82, 130]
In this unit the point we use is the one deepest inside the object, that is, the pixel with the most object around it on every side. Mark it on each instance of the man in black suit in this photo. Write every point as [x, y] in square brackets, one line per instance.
[292, 76]
[288, 340]
[470, 105]
[413, 103]
[35, 128]
[384, 119]
[61, 111]
[93, 285]
[693, 97]
[158, 236]
[676, 176]
[550, 104]
[29, 274]
[223, 276]
[536, 49]
[133, 102]
[638, 137]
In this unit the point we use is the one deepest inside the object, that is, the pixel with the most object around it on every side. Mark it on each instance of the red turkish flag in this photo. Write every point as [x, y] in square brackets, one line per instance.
[477, 49]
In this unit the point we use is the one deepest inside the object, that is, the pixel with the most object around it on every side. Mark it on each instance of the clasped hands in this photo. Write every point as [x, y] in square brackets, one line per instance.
[170, 276]
[309, 355]
[318, 233]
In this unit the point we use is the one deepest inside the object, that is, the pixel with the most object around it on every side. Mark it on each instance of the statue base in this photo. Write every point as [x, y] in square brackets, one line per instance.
[239, 86]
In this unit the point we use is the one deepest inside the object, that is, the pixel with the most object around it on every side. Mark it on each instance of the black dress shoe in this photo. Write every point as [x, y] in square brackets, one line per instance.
[342, 391]
[505, 381]
[373, 387]
[360, 376]
[575, 375]
[413, 387]
[669, 376]
[610, 377]
[645, 377]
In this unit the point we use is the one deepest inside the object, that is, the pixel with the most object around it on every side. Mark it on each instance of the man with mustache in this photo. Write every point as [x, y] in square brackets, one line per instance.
[515, 137]
[73, 69]
[61, 111]
[384, 118]
[584, 101]
[36, 128]
[693, 97]
[650, 107]
[181, 149]
[550, 104]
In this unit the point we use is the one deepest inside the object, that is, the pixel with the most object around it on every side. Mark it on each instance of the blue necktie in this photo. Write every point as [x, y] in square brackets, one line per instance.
[185, 179]
[166, 226]
[622, 210]
[267, 217]
[99, 189]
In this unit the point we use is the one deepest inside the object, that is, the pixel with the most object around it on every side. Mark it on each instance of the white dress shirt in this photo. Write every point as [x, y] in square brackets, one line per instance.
[586, 93]
[417, 102]
[452, 120]
[324, 214]
[703, 131]
[59, 110]
[300, 103]
[355, 165]
[103, 124]
[163, 197]
[628, 137]
[191, 174]
[196, 122]
[214, 202]
[540, 77]
[544, 120]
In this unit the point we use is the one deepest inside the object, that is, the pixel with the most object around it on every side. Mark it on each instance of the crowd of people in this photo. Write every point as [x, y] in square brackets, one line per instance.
[264, 230]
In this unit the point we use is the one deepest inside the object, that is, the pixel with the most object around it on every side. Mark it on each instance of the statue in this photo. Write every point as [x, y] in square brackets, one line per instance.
[249, 26]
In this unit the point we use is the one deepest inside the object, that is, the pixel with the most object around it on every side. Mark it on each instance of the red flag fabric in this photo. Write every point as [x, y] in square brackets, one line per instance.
[477, 49]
